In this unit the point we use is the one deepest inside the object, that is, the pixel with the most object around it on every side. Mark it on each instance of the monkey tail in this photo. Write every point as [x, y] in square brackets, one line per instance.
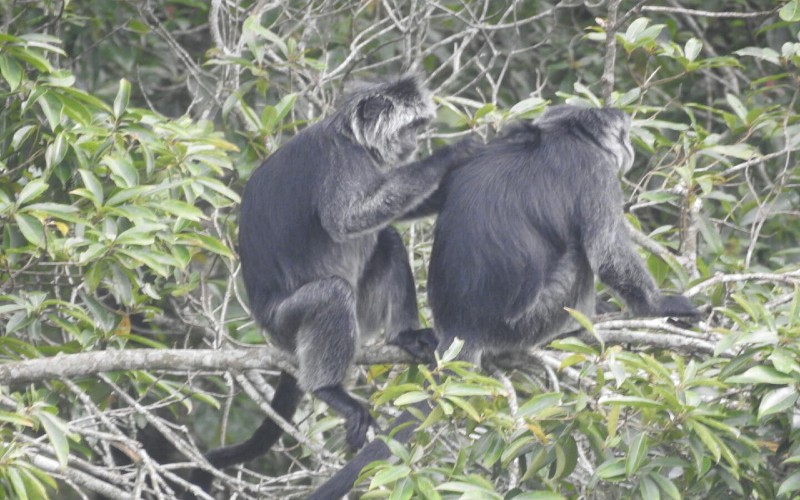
[342, 482]
[284, 402]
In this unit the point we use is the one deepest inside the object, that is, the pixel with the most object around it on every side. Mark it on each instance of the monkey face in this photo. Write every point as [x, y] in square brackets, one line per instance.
[407, 139]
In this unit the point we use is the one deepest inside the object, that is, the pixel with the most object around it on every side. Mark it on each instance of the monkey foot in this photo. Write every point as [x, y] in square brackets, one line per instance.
[419, 343]
[357, 425]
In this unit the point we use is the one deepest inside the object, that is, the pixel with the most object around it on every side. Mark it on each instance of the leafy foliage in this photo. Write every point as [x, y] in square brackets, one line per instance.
[127, 130]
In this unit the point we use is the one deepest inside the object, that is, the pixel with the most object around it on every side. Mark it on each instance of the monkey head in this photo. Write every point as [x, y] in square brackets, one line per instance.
[386, 117]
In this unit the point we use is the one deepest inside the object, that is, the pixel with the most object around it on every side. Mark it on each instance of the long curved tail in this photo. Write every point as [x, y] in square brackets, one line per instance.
[342, 482]
[287, 396]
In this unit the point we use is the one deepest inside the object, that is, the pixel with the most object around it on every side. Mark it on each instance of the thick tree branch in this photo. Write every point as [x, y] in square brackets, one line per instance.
[254, 358]
[91, 363]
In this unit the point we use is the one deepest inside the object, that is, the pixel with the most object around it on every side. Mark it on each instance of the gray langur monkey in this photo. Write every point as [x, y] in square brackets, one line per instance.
[321, 265]
[523, 229]
[535, 217]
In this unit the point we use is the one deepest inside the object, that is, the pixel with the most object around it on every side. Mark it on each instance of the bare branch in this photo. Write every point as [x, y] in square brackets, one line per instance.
[91, 363]
[610, 56]
[708, 13]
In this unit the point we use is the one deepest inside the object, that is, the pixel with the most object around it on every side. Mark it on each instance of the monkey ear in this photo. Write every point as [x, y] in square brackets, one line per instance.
[371, 108]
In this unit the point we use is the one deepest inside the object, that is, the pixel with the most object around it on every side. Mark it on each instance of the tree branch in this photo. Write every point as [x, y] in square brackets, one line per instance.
[91, 363]
[259, 358]
[611, 50]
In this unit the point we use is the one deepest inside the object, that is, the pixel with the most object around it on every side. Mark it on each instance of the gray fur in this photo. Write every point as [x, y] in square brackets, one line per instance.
[319, 210]
[527, 225]
[523, 229]
[320, 263]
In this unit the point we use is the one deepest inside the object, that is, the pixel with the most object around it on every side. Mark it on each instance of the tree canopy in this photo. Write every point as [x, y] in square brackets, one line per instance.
[128, 129]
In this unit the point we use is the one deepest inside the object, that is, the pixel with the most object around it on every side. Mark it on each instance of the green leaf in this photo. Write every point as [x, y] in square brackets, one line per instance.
[708, 438]
[56, 431]
[522, 444]
[31, 190]
[649, 489]
[57, 210]
[403, 489]
[426, 488]
[410, 398]
[220, 188]
[539, 495]
[737, 107]
[483, 111]
[573, 344]
[761, 375]
[637, 451]
[741, 151]
[666, 486]
[766, 54]
[17, 483]
[634, 401]
[459, 389]
[635, 29]
[207, 243]
[180, 209]
[124, 173]
[389, 475]
[122, 98]
[284, 106]
[777, 401]
[31, 57]
[611, 469]
[692, 48]
[11, 71]
[791, 11]
[566, 458]
[21, 135]
[453, 350]
[56, 151]
[791, 484]
[31, 229]
[15, 419]
[539, 403]
[93, 185]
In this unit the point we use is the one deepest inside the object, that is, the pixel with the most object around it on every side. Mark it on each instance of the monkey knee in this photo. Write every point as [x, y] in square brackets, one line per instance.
[336, 288]
[324, 364]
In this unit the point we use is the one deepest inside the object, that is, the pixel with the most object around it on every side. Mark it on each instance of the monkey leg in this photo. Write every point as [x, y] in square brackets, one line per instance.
[387, 298]
[543, 318]
[324, 315]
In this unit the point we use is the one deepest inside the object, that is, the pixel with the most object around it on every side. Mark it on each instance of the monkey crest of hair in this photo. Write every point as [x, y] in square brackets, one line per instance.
[534, 217]
[322, 266]
[378, 114]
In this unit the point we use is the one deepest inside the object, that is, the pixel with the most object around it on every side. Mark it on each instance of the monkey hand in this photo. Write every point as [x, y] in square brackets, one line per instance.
[357, 425]
[677, 306]
[466, 149]
[419, 343]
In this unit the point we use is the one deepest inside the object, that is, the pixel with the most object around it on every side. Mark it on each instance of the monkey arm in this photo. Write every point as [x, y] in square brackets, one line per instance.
[359, 208]
[608, 247]
[466, 150]
[431, 205]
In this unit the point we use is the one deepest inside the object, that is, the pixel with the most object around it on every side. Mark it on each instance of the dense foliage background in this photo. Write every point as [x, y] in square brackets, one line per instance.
[127, 130]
